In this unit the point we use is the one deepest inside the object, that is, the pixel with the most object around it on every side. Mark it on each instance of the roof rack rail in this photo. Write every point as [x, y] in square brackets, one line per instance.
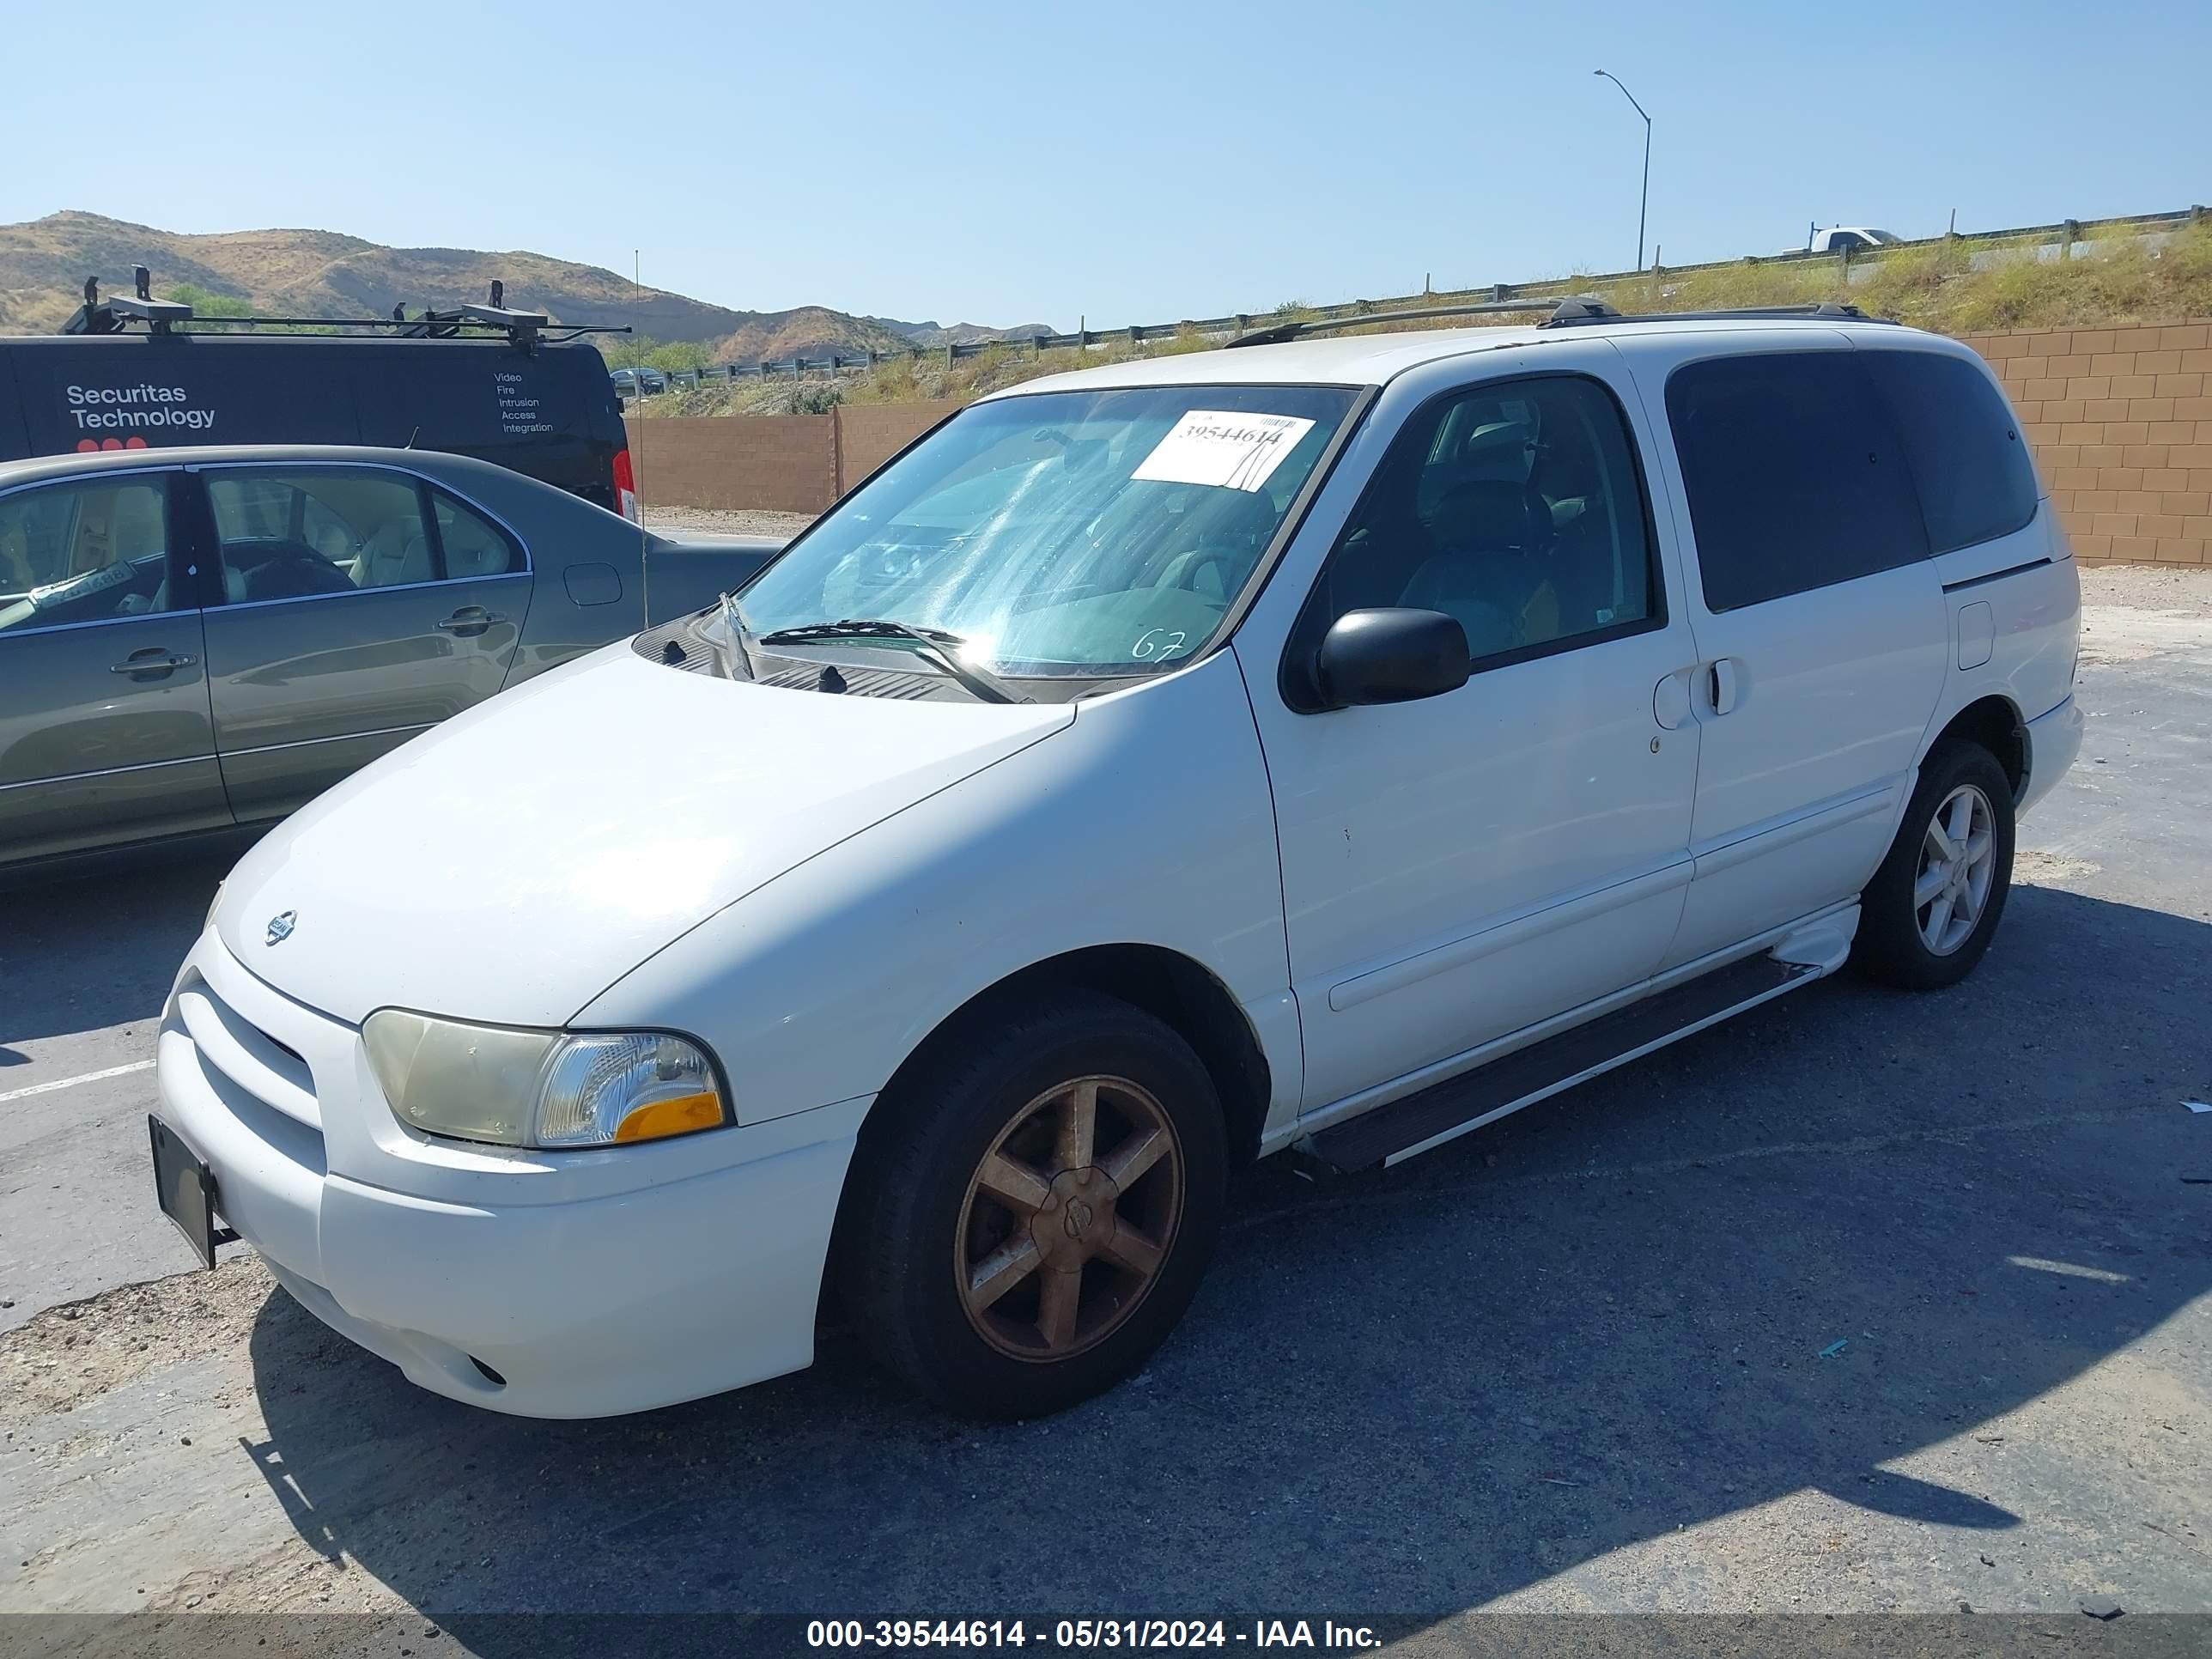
[525, 329]
[1842, 313]
[93, 317]
[1581, 307]
[1572, 312]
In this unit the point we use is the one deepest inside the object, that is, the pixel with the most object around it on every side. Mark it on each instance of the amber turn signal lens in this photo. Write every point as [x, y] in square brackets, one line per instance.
[679, 1115]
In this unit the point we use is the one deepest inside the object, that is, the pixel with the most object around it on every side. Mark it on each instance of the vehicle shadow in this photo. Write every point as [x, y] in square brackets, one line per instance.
[1421, 1390]
[91, 944]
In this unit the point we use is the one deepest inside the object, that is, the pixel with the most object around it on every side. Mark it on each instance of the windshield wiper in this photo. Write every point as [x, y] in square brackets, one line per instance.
[933, 645]
[854, 628]
[733, 625]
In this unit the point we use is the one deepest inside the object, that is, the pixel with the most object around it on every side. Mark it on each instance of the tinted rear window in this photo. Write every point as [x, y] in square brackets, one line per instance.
[1976, 480]
[1793, 472]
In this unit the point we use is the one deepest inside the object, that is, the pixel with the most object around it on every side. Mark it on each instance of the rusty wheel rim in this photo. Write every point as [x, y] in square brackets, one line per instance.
[1068, 1218]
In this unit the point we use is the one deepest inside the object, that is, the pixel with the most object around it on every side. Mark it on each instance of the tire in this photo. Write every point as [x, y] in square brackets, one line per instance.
[1896, 944]
[933, 1224]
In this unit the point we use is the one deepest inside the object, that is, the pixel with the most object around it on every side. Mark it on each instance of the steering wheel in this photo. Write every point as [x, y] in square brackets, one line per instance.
[1183, 571]
[292, 570]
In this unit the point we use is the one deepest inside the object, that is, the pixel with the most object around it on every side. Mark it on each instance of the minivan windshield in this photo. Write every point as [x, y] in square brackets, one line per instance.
[1069, 534]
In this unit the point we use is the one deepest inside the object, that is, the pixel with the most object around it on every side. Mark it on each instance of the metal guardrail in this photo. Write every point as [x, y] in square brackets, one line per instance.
[2063, 234]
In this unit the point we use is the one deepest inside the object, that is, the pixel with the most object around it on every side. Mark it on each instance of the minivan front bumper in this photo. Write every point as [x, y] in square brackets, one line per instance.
[527, 1296]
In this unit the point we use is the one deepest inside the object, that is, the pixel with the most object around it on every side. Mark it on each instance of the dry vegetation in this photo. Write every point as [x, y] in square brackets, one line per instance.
[1953, 288]
[1961, 287]
[315, 273]
[907, 378]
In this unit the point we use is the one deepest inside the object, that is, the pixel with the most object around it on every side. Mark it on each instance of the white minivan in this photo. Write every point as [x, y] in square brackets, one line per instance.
[1330, 744]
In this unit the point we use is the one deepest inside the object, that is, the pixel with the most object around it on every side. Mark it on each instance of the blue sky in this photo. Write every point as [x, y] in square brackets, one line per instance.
[1140, 162]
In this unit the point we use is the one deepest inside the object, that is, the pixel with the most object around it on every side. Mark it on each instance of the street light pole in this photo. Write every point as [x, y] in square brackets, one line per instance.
[1645, 202]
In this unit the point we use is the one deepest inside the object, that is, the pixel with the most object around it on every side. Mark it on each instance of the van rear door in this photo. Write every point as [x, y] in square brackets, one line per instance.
[1821, 632]
[610, 435]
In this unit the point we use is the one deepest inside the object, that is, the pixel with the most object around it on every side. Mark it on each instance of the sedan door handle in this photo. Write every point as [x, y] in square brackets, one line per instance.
[144, 664]
[469, 621]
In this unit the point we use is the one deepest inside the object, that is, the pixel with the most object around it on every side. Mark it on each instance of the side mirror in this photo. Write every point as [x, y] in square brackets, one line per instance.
[1394, 655]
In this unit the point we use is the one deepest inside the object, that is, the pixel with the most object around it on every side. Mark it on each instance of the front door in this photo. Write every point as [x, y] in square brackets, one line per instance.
[1459, 868]
[105, 735]
[359, 606]
[1822, 627]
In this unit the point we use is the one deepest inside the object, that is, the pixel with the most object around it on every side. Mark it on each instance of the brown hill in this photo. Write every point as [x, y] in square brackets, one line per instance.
[319, 273]
[776, 336]
[929, 334]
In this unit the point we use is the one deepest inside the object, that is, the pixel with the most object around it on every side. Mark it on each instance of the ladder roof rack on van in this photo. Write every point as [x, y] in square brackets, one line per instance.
[1814, 311]
[525, 329]
[1575, 311]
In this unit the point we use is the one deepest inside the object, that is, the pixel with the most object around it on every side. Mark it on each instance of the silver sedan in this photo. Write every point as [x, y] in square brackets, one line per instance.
[192, 639]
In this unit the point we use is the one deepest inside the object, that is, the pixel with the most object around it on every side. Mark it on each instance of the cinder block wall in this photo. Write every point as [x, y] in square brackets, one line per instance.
[771, 463]
[2121, 419]
[868, 435]
[766, 463]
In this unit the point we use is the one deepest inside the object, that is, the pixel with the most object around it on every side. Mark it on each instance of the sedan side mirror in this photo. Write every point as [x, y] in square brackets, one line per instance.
[1394, 655]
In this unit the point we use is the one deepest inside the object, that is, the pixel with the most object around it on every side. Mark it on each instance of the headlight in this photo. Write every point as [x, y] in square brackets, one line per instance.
[553, 1089]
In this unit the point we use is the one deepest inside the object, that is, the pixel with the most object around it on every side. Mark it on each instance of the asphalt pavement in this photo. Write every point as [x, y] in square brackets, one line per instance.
[1862, 1303]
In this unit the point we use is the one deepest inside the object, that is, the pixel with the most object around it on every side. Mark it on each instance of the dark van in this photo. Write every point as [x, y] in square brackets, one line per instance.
[542, 408]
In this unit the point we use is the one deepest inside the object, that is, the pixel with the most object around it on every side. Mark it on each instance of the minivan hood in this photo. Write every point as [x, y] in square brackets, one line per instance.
[515, 862]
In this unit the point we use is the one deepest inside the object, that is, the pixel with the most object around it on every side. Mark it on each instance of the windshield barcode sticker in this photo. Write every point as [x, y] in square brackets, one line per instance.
[1224, 448]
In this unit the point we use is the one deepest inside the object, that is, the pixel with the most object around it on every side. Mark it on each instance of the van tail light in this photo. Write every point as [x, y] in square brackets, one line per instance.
[626, 488]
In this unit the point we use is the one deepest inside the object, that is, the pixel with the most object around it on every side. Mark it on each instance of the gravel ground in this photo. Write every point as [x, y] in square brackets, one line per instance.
[674, 520]
[1574, 1362]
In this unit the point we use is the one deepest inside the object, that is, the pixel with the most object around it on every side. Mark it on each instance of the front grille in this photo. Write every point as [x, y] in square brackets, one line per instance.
[232, 1046]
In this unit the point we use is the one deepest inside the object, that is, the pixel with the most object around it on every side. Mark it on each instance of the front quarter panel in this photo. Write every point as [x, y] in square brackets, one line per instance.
[1148, 821]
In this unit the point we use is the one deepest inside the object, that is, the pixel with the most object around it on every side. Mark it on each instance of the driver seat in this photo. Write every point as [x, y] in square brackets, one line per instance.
[1493, 568]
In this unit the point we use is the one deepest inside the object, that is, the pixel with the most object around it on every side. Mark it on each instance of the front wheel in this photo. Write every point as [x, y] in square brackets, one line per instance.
[1929, 914]
[1035, 1216]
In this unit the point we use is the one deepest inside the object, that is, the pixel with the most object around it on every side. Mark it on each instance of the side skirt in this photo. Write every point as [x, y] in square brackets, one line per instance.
[1408, 1127]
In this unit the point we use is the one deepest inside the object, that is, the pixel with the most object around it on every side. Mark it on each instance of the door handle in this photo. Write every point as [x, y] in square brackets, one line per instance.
[147, 663]
[466, 621]
[1721, 685]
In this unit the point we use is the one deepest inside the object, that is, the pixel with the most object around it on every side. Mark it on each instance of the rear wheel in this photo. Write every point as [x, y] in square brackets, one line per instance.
[1931, 910]
[1036, 1215]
